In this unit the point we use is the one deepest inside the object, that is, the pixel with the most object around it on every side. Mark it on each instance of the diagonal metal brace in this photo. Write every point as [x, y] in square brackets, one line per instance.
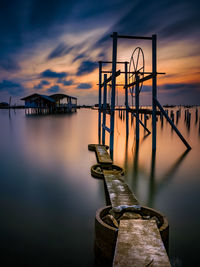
[172, 124]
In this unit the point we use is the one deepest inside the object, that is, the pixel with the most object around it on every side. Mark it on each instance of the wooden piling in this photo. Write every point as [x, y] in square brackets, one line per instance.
[137, 108]
[126, 100]
[104, 109]
[196, 115]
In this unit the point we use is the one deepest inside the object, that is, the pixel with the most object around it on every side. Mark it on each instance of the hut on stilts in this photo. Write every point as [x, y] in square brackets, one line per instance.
[43, 104]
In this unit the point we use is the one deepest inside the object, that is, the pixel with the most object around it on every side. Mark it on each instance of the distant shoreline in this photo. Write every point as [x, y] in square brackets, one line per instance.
[92, 106]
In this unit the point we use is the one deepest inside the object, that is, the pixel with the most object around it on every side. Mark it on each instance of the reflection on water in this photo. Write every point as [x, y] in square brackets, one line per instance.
[167, 180]
[47, 196]
[49, 199]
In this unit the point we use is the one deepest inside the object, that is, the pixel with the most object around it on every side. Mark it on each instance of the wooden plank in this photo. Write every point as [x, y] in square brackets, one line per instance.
[119, 192]
[139, 244]
[102, 155]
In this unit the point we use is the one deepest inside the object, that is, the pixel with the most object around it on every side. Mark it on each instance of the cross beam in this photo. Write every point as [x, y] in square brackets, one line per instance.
[141, 80]
[118, 62]
[132, 37]
[133, 72]
[117, 73]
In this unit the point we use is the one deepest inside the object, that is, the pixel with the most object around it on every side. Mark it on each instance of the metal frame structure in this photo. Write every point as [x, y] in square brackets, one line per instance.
[155, 103]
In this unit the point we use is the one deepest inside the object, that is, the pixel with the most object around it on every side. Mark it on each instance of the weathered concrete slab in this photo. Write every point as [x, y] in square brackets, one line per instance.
[102, 155]
[119, 192]
[139, 244]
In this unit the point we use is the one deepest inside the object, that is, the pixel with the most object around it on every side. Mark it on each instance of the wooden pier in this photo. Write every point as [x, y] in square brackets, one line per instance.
[102, 155]
[118, 190]
[140, 238]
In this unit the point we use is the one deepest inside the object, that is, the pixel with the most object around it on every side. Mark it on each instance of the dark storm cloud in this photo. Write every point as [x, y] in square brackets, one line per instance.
[86, 67]
[41, 84]
[84, 86]
[53, 74]
[53, 89]
[11, 87]
[181, 87]
[61, 50]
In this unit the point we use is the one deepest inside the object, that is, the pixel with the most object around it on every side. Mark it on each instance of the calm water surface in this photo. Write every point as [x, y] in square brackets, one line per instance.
[48, 198]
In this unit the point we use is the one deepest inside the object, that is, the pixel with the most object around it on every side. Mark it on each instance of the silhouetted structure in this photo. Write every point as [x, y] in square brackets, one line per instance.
[4, 105]
[133, 81]
[43, 104]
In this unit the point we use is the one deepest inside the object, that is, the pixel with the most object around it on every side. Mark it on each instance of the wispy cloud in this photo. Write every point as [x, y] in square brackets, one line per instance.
[61, 50]
[78, 57]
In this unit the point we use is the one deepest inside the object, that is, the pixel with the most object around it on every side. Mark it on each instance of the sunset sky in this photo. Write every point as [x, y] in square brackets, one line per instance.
[53, 46]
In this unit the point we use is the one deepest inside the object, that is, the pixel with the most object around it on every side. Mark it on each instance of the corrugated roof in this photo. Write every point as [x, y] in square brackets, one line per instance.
[41, 96]
[29, 96]
[48, 98]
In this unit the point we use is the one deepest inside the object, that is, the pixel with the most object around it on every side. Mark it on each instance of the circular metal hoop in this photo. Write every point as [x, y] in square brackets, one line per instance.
[136, 67]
